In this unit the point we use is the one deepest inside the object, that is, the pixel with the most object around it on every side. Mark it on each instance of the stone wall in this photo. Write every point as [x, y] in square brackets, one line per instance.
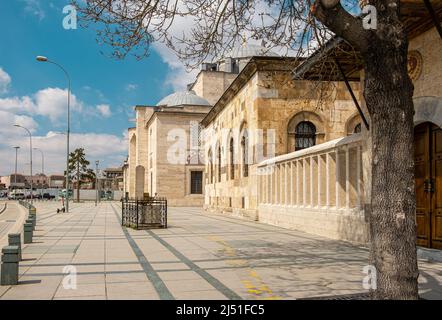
[429, 45]
[212, 84]
[172, 179]
[268, 101]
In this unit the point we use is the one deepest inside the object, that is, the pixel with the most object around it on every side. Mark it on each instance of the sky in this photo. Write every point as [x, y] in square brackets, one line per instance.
[104, 90]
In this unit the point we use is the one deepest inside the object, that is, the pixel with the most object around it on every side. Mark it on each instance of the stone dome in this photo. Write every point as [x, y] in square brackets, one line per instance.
[181, 98]
[250, 50]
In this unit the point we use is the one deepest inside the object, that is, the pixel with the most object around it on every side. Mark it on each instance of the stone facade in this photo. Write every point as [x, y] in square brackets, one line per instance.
[212, 84]
[160, 160]
[268, 105]
[320, 191]
[252, 126]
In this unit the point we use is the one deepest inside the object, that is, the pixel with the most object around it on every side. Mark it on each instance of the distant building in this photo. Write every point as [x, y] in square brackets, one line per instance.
[56, 181]
[112, 179]
[13, 181]
[39, 181]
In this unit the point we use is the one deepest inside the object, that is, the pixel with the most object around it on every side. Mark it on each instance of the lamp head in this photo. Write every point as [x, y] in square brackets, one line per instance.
[42, 59]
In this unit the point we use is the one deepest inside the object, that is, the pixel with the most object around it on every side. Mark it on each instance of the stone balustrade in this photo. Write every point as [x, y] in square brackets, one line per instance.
[317, 190]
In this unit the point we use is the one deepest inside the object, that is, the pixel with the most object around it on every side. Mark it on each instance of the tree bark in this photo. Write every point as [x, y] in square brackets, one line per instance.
[388, 92]
[78, 181]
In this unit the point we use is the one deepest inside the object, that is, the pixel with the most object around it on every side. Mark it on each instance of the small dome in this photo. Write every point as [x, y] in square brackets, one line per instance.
[183, 98]
[250, 50]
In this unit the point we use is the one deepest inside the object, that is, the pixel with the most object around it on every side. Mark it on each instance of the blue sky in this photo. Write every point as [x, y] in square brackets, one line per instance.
[104, 89]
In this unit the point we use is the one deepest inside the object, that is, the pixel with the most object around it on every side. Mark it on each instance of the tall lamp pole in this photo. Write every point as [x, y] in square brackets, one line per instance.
[30, 152]
[15, 173]
[96, 181]
[42, 160]
[44, 59]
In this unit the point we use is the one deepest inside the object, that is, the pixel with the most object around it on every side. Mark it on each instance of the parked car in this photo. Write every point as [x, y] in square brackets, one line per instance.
[48, 196]
[16, 195]
[34, 196]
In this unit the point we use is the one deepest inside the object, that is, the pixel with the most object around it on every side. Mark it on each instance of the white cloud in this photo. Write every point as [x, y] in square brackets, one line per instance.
[34, 7]
[49, 102]
[5, 81]
[52, 102]
[131, 87]
[8, 119]
[109, 149]
[104, 110]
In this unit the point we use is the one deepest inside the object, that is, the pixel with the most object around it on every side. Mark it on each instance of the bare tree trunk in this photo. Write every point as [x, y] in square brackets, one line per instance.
[389, 97]
[388, 92]
[78, 181]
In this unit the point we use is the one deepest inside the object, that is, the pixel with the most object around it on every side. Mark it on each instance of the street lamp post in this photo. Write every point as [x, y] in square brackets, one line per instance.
[15, 173]
[96, 182]
[44, 59]
[42, 160]
[30, 151]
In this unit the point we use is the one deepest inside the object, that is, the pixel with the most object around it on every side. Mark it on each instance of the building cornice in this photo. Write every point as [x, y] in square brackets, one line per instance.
[255, 64]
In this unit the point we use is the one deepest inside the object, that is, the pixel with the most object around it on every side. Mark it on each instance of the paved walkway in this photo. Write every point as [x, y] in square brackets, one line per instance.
[11, 220]
[198, 257]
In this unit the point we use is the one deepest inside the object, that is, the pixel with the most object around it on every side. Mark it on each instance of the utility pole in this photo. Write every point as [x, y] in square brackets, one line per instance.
[30, 152]
[96, 182]
[15, 172]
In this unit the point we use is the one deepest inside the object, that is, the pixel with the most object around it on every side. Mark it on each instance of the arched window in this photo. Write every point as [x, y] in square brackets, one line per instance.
[305, 135]
[358, 128]
[219, 164]
[232, 159]
[245, 155]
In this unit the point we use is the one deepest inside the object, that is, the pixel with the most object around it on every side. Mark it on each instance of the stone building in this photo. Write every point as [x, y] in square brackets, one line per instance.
[284, 148]
[112, 179]
[326, 189]
[166, 155]
[263, 114]
[164, 150]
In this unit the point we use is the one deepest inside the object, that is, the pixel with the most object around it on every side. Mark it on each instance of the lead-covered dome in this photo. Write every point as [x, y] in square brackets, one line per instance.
[250, 50]
[181, 98]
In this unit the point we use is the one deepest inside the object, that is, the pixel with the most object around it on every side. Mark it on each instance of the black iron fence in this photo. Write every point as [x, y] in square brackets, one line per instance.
[144, 214]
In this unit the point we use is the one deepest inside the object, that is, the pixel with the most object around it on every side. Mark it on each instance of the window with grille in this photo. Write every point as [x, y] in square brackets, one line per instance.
[196, 182]
[305, 135]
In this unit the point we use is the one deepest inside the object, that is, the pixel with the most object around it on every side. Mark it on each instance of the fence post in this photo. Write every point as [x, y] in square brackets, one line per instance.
[122, 212]
[166, 212]
[137, 214]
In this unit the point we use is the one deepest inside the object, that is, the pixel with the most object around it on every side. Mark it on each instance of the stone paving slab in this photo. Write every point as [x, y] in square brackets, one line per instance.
[200, 256]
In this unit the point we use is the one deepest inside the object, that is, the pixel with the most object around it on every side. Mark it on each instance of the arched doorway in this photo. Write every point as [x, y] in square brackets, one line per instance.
[428, 175]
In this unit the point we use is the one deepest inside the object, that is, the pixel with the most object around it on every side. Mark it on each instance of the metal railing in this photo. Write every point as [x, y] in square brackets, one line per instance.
[26, 204]
[144, 214]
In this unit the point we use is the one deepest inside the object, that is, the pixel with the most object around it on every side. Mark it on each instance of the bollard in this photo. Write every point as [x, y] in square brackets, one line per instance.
[33, 217]
[9, 269]
[31, 221]
[28, 232]
[14, 239]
